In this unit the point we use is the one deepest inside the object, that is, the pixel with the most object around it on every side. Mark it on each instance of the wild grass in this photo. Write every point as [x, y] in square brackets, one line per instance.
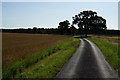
[45, 63]
[109, 50]
[51, 65]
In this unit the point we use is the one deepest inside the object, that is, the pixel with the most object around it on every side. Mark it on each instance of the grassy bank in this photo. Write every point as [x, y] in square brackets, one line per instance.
[109, 50]
[43, 64]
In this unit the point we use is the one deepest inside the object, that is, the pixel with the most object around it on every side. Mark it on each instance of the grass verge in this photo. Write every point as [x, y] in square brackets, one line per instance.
[110, 52]
[48, 62]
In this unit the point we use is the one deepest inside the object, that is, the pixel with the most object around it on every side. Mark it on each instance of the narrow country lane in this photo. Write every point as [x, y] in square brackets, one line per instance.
[87, 62]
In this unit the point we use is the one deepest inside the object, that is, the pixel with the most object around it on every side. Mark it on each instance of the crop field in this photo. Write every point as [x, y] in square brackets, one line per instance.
[18, 46]
[22, 51]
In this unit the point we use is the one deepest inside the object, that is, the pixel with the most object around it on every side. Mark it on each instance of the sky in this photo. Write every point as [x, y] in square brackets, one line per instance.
[49, 14]
[119, 15]
[59, 0]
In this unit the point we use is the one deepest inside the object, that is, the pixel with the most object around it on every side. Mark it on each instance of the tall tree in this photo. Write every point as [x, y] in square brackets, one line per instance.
[34, 29]
[72, 30]
[88, 20]
[64, 27]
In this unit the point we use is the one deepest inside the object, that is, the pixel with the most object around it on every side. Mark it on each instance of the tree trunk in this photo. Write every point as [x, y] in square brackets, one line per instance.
[85, 34]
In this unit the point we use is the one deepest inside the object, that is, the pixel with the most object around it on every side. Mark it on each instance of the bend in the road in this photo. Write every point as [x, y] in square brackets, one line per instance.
[87, 62]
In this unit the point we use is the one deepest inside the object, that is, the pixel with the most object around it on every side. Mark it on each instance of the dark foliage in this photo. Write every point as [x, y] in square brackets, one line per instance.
[89, 21]
[64, 27]
[35, 31]
[56, 31]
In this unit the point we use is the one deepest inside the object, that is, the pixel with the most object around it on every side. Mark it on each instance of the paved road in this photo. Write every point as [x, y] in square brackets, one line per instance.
[87, 62]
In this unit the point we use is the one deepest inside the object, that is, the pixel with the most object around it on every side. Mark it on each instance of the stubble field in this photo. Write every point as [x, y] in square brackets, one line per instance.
[18, 46]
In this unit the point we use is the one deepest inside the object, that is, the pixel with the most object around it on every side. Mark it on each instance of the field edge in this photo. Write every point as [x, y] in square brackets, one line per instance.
[67, 46]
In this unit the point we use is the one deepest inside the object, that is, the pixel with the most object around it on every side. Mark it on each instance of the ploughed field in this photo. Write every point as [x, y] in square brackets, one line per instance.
[18, 46]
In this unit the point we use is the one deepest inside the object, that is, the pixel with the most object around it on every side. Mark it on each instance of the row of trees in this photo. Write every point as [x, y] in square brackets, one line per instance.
[86, 21]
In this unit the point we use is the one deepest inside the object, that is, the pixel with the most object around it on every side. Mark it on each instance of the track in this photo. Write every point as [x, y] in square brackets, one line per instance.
[87, 62]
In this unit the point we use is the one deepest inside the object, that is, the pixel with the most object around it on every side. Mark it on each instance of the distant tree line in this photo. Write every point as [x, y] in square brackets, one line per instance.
[57, 32]
[88, 22]
[33, 30]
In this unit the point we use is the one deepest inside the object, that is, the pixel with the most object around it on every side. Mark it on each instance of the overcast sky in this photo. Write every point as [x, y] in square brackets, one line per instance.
[49, 14]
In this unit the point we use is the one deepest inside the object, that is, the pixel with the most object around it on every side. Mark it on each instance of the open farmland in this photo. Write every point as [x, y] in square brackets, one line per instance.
[18, 46]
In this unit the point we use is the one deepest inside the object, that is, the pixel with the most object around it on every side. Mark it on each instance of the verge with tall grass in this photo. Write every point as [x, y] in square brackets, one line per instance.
[109, 50]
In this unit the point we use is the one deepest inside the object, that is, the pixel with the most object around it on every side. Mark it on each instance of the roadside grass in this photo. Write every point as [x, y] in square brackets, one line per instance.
[109, 50]
[43, 64]
[51, 65]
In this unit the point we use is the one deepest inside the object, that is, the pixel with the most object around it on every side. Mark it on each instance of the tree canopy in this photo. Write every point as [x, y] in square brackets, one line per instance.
[64, 27]
[88, 20]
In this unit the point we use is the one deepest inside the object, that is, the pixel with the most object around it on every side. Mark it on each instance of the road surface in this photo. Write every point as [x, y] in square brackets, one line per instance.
[87, 62]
